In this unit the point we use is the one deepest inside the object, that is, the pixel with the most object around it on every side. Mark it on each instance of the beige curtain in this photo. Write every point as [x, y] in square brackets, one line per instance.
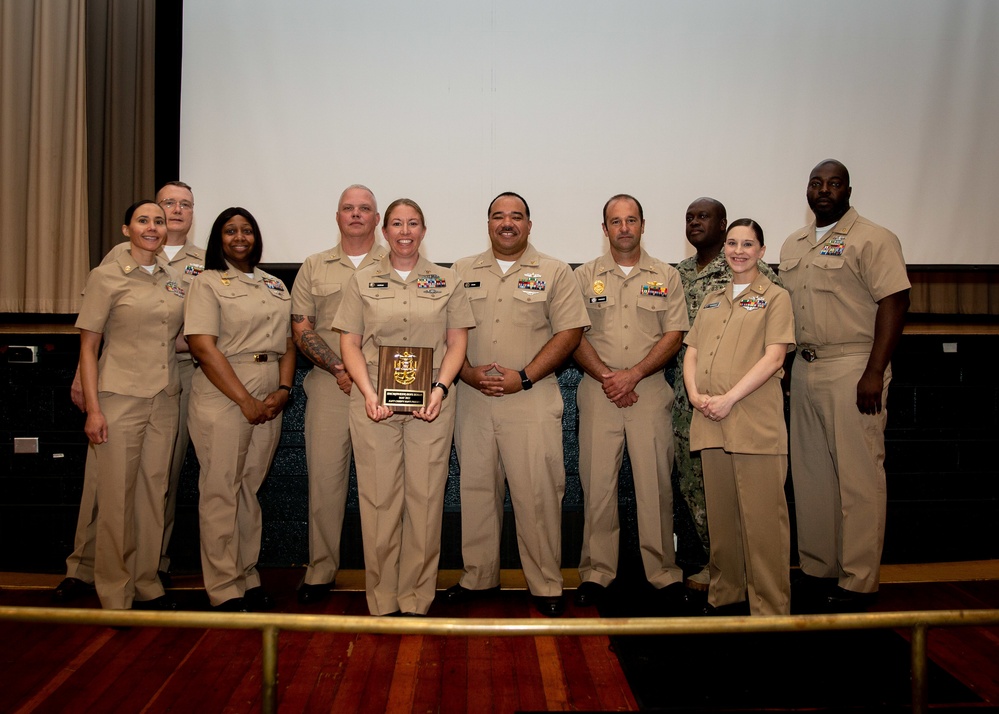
[972, 292]
[121, 112]
[43, 158]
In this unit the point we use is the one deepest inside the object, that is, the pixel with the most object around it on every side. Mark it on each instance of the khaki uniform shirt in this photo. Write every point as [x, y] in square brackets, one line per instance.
[697, 285]
[188, 263]
[630, 314]
[836, 284]
[321, 284]
[731, 336]
[139, 315]
[387, 310]
[518, 313]
[247, 315]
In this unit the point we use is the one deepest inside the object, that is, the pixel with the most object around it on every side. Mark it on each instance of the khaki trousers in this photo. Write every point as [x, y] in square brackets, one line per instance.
[235, 457]
[185, 368]
[402, 465]
[327, 452]
[750, 530]
[516, 437]
[80, 563]
[837, 467]
[132, 477]
[603, 431]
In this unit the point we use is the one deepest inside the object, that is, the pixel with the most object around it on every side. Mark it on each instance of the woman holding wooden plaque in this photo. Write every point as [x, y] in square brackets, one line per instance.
[390, 314]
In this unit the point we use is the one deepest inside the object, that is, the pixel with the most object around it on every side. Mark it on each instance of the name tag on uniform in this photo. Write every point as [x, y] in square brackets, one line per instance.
[473, 284]
[602, 298]
[711, 305]
[378, 285]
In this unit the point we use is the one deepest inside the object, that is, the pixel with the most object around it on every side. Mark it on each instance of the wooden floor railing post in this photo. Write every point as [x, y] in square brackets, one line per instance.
[920, 690]
[269, 656]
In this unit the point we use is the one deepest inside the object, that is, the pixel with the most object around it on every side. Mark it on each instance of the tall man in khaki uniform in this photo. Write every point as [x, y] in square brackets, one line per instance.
[315, 298]
[638, 316]
[850, 293]
[529, 318]
[177, 201]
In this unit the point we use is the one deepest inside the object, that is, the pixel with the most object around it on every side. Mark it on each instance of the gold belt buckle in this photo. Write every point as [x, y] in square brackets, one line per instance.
[260, 357]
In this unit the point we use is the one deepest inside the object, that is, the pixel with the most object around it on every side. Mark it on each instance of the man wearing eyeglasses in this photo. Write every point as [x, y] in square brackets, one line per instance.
[177, 201]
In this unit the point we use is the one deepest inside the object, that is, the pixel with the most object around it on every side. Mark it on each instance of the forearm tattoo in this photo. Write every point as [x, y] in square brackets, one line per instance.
[315, 348]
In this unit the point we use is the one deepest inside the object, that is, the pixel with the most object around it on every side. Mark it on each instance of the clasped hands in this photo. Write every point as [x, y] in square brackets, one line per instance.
[619, 387]
[715, 407]
[493, 380]
[259, 411]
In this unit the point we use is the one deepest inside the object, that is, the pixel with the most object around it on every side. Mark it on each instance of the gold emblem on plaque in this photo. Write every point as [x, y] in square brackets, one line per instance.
[406, 366]
[598, 287]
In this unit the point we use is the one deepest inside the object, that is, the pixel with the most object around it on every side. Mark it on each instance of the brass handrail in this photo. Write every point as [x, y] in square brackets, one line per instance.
[271, 623]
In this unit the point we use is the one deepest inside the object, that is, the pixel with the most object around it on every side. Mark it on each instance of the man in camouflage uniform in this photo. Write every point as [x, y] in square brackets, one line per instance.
[701, 274]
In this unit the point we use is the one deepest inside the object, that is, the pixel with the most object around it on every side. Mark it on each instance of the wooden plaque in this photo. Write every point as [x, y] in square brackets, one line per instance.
[404, 377]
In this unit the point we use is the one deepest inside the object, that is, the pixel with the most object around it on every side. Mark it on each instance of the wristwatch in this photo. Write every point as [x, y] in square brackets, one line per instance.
[443, 388]
[525, 381]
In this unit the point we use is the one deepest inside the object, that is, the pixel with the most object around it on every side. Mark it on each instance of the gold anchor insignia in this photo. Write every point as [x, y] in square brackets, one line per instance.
[598, 287]
[405, 365]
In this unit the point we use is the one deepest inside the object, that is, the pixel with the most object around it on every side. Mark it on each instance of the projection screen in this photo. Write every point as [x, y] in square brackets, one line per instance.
[570, 101]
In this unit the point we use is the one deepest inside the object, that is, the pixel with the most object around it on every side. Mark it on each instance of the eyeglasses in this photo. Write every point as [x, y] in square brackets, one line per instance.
[169, 204]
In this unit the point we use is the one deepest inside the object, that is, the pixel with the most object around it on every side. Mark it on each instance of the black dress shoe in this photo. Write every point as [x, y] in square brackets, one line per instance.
[258, 600]
[549, 606]
[234, 604]
[809, 593]
[843, 600]
[163, 602]
[165, 580]
[311, 594]
[732, 609]
[673, 600]
[72, 589]
[456, 593]
[589, 594]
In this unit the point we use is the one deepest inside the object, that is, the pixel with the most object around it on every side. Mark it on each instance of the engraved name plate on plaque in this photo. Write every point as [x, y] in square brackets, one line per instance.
[404, 377]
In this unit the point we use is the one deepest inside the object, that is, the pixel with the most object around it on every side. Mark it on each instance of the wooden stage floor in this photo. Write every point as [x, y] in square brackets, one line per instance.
[49, 668]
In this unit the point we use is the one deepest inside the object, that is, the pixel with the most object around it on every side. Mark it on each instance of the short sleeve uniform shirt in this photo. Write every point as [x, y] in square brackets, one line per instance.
[516, 314]
[630, 314]
[731, 336]
[386, 310]
[139, 315]
[836, 284]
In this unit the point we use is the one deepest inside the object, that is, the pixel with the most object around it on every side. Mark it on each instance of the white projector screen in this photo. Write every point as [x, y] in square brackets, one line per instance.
[567, 102]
